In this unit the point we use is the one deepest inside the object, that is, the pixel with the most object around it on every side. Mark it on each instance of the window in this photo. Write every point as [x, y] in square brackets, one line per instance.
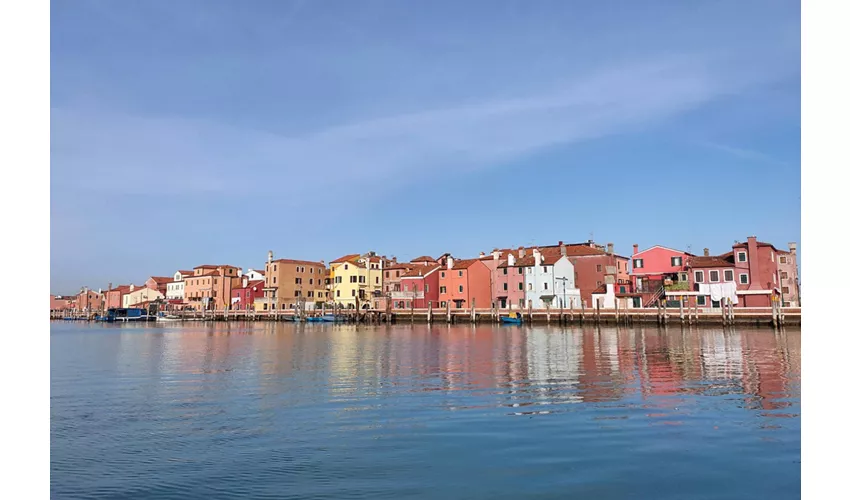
[311, 270]
[786, 290]
[442, 289]
[784, 275]
[742, 256]
[772, 257]
[622, 289]
[701, 300]
[362, 279]
[545, 286]
[519, 270]
[353, 293]
[274, 279]
[297, 293]
[505, 271]
[676, 261]
[397, 274]
[376, 280]
[387, 274]
[636, 264]
[460, 274]
[443, 303]
[545, 269]
[530, 286]
[297, 281]
[426, 288]
[442, 274]
[728, 275]
[505, 286]
[598, 283]
[460, 288]
[783, 260]
[337, 293]
[346, 267]
[714, 276]
[745, 279]
[275, 267]
[520, 286]
[598, 268]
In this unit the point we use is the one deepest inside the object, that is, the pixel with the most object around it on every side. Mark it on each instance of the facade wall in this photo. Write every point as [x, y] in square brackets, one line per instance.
[90, 300]
[293, 279]
[509, 288]
[789, 278]
[657, 261]
[466, 285]
[175, 290]
[543, 286]
[590, 273]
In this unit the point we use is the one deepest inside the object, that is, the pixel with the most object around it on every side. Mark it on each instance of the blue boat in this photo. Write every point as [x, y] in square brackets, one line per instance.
[127, 314]
[328, 318]
[511, 319]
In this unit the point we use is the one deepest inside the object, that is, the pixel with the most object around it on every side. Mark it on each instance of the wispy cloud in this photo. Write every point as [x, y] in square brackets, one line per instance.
[123, 153]
[744, 153]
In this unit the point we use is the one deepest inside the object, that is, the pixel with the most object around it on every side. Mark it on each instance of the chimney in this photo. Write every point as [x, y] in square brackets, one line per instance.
[132, 287]
[635, 249]
[481, 255]
[537, 257]
[521, 252]
[793, 247]
[450, 262]
[563, 248]
[705, 252]
[244, 281]
[496, 255]
[511, 259]
[611, 248]
[395, 260]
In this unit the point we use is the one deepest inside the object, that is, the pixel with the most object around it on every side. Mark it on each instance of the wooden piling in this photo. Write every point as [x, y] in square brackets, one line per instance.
[472, 313]
[681, 311]
[448, 312]
[430, 313]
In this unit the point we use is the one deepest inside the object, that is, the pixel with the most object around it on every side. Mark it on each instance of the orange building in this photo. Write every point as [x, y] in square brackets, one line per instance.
[210, 287]
[289, 280]
[464, 282]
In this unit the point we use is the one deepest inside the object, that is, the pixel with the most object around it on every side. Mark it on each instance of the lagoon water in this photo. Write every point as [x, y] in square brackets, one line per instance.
[265, 410]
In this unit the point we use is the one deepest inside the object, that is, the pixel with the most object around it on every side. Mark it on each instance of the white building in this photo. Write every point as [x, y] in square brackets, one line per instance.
[175, 289]
[550, 280]
[254, 275]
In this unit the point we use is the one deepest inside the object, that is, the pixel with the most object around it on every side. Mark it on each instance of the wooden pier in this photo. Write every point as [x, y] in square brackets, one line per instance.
[661, 315]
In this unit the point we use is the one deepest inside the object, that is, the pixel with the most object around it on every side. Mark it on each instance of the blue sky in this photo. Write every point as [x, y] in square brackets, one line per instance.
[185, 133]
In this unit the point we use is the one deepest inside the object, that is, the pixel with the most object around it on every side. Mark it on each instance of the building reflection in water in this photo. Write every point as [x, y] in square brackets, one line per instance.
[519, 370]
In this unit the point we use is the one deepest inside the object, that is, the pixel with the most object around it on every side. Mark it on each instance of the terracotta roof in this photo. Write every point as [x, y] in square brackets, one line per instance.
[296, 261]
[347, 258]
[162, 279]
[758, 243]
[711, 261]
[211, 266]
[420, 271]
[120, 288]
[214, 273]
[400, 265]
[462, 263]
[601, 289]
[186, 272]
[424, 258]
[251, 284]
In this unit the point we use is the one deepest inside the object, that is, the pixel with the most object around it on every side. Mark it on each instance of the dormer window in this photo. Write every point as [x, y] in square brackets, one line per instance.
[742, 256]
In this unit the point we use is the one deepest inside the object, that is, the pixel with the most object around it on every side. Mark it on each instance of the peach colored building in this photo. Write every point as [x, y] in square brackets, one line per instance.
[289, 280]
[210, 287]
[789, 279]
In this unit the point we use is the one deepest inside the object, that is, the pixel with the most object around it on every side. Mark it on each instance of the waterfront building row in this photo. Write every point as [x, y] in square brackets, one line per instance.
[562, 275]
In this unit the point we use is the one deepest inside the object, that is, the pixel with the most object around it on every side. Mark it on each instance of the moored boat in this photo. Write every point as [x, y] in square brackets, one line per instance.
[511, 319]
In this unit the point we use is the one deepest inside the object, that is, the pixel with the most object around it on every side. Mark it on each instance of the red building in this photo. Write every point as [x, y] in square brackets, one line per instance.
[419, 287]
[757, 272]
[464, 281]
[242, 297]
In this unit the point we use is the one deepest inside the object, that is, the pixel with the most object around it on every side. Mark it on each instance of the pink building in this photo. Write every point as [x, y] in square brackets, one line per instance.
[463, 282]
[419, 287]
[508, 284]
[115, 296]
[159, 283]
[89, 301]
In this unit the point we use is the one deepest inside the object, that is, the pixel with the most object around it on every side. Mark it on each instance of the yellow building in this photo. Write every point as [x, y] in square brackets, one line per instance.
[356, 279]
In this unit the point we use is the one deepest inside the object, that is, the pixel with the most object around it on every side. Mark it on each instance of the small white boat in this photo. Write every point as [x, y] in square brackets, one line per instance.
[169, 318]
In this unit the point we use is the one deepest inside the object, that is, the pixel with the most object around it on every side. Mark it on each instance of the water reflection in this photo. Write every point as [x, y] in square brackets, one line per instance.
[259, 408]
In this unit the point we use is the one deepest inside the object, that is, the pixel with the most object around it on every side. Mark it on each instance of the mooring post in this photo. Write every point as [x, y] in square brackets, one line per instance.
[448, 312]
[682, 310]
[429, 317]
[548, 309]
[472, 313]
[616, 311]
[528, 308]
[598, 307]
[581, 319]
[731, 311]
[571, 310]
